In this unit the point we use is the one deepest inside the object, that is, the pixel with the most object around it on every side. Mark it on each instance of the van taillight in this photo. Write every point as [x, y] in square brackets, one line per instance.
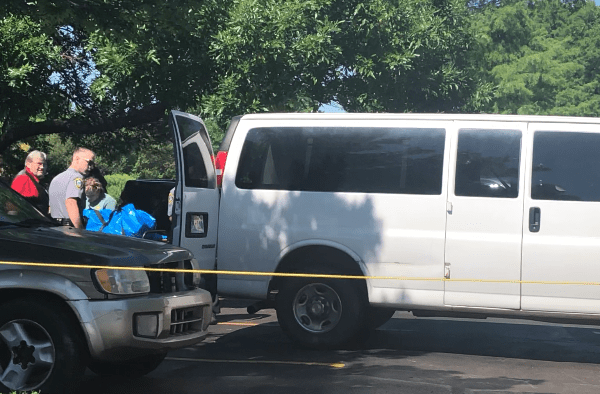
[220, 166]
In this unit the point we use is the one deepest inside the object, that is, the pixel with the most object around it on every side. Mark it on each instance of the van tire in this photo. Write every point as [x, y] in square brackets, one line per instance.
[322, 313]
[379, 316]
[47, 336]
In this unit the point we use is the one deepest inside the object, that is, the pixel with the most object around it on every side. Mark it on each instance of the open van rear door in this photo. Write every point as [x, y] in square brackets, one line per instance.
[196, 198]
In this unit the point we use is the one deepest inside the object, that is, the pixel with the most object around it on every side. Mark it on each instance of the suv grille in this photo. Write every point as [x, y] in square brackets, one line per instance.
[170, 282]
[187, 320]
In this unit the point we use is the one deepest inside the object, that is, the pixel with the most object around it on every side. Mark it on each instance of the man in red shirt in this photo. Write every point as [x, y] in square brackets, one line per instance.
[28, 184]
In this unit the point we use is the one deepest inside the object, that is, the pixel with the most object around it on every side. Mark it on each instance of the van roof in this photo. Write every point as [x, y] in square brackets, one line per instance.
[416, 116]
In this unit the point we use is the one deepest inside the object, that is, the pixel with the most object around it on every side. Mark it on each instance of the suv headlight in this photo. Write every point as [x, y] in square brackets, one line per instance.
[119, 281]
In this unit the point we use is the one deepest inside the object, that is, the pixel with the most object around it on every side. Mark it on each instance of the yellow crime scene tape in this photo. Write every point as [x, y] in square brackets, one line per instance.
[308, 363]
[282, 274]
[298, 275]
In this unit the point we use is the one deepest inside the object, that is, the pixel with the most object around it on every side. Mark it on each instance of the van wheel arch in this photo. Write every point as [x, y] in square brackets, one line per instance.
[317, 259]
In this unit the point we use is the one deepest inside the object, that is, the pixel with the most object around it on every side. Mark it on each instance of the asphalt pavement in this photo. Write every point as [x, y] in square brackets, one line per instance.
[249, 354]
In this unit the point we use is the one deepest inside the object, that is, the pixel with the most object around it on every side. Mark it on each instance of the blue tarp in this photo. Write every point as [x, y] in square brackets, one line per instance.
[127, 221]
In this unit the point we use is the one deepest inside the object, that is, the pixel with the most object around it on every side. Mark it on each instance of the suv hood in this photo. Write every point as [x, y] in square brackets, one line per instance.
[67, 245]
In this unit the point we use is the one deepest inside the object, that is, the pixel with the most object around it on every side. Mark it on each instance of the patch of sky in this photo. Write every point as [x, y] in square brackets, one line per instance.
[332, 107]
[86, 70]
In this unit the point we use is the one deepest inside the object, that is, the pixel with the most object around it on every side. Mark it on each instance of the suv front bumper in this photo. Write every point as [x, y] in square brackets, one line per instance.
[111, 326]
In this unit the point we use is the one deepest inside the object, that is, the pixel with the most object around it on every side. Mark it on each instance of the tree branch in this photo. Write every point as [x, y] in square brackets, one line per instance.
[130, 119]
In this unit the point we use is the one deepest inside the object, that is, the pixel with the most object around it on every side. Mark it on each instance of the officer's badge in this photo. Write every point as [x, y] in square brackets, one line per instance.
[78, 183]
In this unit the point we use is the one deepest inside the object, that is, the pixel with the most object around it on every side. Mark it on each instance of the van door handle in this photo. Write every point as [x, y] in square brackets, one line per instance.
[534, 219]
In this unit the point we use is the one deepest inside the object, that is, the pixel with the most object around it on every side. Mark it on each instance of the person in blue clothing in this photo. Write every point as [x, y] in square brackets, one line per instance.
[96, 196]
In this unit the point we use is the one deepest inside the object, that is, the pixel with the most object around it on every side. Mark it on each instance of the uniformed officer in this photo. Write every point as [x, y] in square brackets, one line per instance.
[67, 198]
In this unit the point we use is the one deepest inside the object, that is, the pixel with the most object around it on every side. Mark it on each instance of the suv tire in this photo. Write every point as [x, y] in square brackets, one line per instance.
[41, 348]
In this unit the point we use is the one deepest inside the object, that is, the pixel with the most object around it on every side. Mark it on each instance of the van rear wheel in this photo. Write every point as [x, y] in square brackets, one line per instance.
[322, 313]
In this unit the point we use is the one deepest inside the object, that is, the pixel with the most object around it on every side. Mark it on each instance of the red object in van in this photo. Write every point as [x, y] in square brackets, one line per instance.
[224, 148]
[220, 166]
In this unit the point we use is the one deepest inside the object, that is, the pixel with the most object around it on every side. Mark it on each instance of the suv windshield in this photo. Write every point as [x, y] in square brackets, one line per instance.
[14, 209]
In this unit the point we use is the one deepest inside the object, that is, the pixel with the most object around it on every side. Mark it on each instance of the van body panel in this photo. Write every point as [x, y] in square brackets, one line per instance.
[484, 228]
[239, 286]
[499, 238]
[407, 241]
[566, 249]
[407, 299]
[196, 205]
[323, 242]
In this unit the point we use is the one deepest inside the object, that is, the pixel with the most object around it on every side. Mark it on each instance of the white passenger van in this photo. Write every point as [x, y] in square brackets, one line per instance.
[444, 214]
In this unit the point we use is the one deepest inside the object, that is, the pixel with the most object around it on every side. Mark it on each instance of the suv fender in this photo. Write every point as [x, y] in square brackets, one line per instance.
[39, 281]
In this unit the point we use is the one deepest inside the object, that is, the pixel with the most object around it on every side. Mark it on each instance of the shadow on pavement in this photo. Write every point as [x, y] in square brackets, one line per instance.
[405, 355]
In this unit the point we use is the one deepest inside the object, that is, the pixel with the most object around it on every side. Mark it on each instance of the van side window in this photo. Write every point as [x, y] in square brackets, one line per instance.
[566, 166]
[330, 159]
[488, 163]
[193, 165]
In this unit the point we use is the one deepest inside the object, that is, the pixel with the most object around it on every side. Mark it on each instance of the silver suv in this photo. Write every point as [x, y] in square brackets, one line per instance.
[70, 299]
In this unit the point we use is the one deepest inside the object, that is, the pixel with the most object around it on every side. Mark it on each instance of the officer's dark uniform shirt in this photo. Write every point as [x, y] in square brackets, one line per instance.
[67, 184]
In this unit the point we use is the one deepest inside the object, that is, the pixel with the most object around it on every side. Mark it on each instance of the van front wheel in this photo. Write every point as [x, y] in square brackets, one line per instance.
[322, 313]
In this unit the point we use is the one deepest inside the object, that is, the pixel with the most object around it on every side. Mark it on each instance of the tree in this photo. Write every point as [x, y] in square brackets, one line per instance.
[406, 56]
[91, 67]
[541, 57]
[379, 55]
[103, 65]
[114, 65]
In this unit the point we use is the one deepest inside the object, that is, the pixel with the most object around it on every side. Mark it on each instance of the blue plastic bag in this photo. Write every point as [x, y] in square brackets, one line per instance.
[127, 221]
[94, 223]
[136, 222]
[114, 226]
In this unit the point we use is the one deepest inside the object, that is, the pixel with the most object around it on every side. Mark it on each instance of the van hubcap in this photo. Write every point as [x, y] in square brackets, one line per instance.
[26, 355]
[317, 308]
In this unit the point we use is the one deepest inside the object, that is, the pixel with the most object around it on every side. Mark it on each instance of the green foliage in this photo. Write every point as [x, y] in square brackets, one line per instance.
[215, 132]
[404, 56]
[541, 57]
[116, 184]
[138, 153]
[29, 58]
[160, 54]
[59, 152]
[74, 65]
[377, 55]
